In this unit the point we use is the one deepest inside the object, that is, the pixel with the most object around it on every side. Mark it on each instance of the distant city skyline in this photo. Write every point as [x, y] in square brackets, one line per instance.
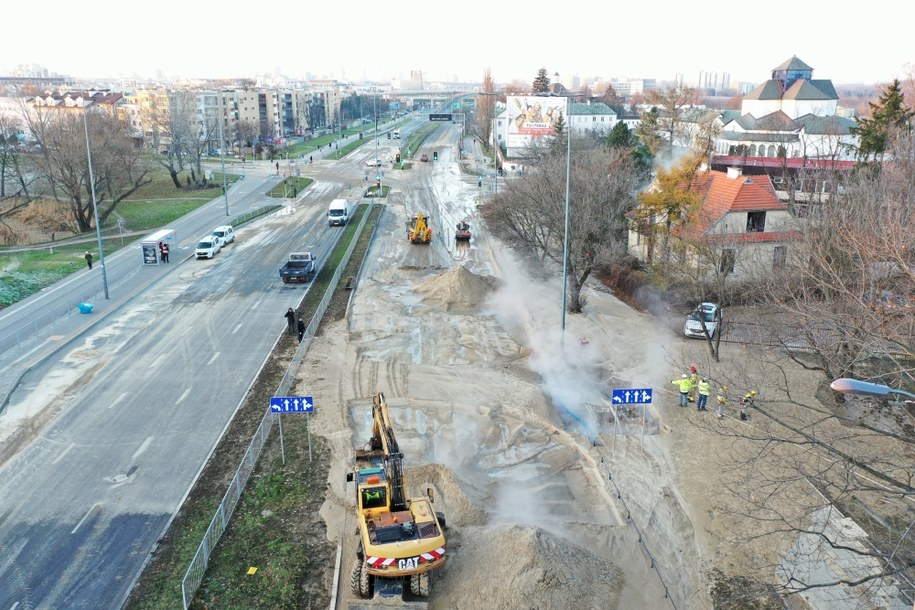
[210, 40]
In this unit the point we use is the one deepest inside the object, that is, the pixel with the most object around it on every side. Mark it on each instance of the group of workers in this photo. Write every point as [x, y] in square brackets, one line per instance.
[695, 388]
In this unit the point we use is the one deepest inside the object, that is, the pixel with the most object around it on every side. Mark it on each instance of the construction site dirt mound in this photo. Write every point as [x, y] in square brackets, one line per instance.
[536, 569]
[457, 291]
[450, 498]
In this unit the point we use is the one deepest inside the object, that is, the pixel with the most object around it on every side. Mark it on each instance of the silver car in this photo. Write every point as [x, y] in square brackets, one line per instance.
[710, 313]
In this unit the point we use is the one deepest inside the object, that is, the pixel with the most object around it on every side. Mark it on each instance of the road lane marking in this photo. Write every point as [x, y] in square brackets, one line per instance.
[183, 396]
[213, 359]
[156, 362]
[143, 447]
[256, 305]
[118, 399]
[89, 512]
[63, 453]
[237, 328]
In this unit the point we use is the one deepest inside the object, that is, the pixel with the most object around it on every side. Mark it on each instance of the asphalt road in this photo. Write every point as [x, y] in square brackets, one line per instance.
[111, 415]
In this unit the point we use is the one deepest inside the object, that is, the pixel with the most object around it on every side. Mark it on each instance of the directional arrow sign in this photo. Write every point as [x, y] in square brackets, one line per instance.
[631, 396]
[292, 404]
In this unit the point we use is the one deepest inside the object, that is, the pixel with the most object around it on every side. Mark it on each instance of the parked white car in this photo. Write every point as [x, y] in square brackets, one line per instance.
[225, 233]
[208, 247]
[711, 314]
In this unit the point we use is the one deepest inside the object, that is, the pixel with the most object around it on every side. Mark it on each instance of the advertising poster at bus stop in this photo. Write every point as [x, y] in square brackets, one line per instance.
[150, 256]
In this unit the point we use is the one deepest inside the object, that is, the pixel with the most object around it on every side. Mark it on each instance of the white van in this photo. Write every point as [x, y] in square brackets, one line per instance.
[208, 247]
[339, 212]
[225, 233]
[396, 134]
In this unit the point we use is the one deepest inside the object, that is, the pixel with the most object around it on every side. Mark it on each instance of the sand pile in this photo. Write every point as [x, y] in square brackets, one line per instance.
[529, 567]
[449, 494]
[458, 290]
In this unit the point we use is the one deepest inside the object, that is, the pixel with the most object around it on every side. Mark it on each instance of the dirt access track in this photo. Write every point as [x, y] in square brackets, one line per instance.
[467, 352]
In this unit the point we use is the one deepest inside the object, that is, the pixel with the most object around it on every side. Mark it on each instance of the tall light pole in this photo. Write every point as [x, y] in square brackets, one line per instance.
[565, 241]
[98, 226]
[377, 171]
[495, 148]
[222, 150]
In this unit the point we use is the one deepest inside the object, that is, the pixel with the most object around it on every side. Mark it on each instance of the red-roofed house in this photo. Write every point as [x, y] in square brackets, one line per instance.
[742, 228]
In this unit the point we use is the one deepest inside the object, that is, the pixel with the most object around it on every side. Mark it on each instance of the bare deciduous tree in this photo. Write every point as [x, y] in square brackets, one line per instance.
[486, 104]
[118, 165]
[170, 121]
[803, 466]
[530, 211]
[667, 122]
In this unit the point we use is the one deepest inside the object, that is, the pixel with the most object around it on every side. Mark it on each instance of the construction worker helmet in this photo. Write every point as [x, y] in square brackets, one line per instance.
[692, 369]
[705, 379]
[683, 376]
[753, 392]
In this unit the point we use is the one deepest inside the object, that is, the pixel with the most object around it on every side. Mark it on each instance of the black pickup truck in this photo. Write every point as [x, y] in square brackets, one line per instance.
[299, 268]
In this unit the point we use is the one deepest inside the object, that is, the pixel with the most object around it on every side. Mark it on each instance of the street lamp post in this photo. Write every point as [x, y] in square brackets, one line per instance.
[377, 170]
[222, 155]
[565, 240]
[98, 226]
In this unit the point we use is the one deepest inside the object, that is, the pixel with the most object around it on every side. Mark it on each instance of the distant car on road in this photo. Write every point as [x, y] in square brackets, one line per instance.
[374, 163]
[425, 157]
[711, 314]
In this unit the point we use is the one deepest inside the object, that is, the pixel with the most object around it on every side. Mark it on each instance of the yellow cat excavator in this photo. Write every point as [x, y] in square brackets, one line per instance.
[401, 539]
[419, 230]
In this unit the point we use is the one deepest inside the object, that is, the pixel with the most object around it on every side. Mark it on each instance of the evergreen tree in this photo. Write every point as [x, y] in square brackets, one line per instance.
[620, 136]
[888, 116]
[542, 82]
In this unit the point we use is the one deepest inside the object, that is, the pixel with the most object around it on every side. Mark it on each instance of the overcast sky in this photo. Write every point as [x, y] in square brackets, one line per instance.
[384, 40]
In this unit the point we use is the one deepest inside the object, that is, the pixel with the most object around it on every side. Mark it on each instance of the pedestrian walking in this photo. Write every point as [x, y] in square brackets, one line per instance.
[164, 253]
[694, 382]
[290, 320]
[703, 389]
[88, 257]
[301, 328]
[722, 398]
[683, 385]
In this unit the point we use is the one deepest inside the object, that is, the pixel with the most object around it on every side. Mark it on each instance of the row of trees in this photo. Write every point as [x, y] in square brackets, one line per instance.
[56, 164]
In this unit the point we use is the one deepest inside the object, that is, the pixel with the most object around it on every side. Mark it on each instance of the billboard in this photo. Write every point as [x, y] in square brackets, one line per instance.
[532, 117]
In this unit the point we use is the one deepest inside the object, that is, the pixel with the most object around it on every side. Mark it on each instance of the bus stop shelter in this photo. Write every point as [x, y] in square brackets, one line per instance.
[149, 246]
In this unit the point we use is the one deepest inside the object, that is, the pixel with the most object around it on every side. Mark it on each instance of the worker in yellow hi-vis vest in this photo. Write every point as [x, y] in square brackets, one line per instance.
[684, 385]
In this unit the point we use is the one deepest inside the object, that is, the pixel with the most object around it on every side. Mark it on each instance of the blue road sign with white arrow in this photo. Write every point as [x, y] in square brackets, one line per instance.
[292, 404]
[631, 396]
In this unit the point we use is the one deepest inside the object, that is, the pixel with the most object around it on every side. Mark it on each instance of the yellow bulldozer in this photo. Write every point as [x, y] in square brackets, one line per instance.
[419, 230]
